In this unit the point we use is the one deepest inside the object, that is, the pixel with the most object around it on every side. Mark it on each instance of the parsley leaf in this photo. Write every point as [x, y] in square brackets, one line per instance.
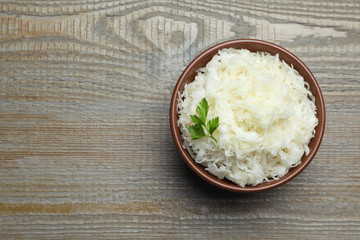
[196, 119]
[197, 130]
[202, 110]
[212, 125]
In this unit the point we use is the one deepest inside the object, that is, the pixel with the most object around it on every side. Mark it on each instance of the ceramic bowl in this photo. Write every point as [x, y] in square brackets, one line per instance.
[252, 45]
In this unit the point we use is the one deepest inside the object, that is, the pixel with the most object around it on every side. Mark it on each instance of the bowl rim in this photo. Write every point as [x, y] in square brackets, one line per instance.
[213, 179]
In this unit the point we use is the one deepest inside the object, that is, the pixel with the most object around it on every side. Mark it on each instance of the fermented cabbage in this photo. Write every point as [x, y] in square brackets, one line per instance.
[267, 116]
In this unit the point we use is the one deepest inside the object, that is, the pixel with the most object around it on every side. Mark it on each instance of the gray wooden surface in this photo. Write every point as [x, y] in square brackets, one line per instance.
[85, 146]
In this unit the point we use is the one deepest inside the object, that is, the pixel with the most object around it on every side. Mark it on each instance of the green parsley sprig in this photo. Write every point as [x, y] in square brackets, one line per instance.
[197, 130]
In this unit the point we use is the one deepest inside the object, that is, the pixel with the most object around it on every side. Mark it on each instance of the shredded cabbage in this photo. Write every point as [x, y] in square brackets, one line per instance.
[267, 116]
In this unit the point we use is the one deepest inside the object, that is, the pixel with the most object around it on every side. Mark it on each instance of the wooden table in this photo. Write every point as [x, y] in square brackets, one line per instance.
[85, 146]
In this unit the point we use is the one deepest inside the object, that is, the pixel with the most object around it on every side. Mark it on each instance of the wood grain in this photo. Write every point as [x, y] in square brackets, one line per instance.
[85, 146]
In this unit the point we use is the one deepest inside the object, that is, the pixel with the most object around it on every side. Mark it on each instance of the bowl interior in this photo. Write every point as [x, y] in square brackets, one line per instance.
[254, 46]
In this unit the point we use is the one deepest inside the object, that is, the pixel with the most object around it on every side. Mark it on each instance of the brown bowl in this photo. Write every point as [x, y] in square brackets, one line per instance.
[252, 45]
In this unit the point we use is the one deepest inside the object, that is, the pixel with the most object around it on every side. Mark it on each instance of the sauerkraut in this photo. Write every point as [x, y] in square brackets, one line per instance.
[267, 116]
